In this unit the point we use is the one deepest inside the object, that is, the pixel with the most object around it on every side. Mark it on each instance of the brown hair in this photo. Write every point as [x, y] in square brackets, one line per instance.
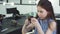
[47, 6]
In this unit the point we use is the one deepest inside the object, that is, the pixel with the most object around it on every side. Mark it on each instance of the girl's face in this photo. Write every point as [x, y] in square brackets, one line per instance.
[42, 13]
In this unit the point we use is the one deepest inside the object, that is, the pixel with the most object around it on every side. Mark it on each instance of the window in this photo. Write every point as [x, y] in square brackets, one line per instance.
[16, 2]
[1, 1]
[29, 2]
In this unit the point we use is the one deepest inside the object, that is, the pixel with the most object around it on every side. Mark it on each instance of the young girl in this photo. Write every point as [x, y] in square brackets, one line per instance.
[45, 23]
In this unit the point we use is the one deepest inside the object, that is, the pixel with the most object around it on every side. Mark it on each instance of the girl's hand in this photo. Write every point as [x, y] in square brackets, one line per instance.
[28, 25]
[34, 21]
[26, 21]
[24, 28]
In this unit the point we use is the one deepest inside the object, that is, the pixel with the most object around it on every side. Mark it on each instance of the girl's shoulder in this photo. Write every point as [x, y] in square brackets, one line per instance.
[50, 20]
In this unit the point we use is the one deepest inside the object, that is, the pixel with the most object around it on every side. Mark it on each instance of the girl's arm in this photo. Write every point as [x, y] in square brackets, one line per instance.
[39, 29]
[24, 31]
[27, 27]
[51, 28]
[30, 26]
[37, 25]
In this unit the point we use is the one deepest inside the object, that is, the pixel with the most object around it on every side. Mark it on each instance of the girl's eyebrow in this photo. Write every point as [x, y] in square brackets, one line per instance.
[38, 10]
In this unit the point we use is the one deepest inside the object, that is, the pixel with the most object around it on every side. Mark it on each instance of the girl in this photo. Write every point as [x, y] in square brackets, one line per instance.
[45, 23]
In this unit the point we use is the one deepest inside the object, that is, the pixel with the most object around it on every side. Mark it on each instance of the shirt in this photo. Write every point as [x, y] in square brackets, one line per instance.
[44, 24]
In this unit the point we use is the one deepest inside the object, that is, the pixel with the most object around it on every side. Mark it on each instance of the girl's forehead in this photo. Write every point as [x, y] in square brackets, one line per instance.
[40, 8]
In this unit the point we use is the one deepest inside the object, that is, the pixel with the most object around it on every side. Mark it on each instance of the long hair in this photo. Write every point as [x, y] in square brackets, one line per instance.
[47, 6]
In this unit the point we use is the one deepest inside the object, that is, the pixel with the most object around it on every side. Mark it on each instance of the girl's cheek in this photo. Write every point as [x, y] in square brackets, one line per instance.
[40, 15]
[45, 14]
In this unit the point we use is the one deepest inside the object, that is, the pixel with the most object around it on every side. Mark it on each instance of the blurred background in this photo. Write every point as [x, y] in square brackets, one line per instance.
[15, 12]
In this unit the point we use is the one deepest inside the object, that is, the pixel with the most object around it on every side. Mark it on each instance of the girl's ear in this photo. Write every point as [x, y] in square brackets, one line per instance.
[48, 14]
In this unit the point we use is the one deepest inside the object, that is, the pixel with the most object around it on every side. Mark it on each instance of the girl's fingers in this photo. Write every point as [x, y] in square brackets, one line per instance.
[26, 21]
[33, 20]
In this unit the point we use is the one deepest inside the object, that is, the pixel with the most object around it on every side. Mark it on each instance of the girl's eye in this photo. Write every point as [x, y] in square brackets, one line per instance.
[41, 11]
